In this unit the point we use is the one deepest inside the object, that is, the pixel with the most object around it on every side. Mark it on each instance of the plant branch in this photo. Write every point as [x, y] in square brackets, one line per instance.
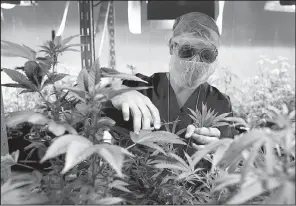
[131, 146]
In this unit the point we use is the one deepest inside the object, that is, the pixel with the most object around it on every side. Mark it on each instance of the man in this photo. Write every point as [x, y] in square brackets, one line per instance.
[194, 51]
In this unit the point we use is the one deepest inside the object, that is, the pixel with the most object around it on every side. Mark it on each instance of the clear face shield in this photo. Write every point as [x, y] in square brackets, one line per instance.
[194, 56]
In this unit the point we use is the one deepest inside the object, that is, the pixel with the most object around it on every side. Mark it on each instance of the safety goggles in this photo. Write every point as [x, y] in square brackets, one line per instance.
[187, 52]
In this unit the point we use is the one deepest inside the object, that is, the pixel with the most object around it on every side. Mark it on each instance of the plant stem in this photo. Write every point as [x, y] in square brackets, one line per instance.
[94, 118]
[26, 166]
[94, 158]
[130, 146]
[189, 142]
[45, 101]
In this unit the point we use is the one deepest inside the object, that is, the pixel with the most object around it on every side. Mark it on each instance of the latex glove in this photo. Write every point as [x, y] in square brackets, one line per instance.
[142, 109]
[202, 136]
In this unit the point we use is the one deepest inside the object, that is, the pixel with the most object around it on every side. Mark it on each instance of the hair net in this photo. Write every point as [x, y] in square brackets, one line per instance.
[194, 30]
[196, 25]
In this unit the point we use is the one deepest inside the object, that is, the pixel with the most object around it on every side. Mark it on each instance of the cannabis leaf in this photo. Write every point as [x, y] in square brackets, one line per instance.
[120, 185]
[108, 201]
[78, 148]
[15, 118]
[155, 139]
[20, 79]
[10, 49]
[207, 118]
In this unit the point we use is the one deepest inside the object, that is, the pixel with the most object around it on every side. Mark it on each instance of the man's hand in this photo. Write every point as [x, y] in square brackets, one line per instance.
[142, 109]
[202, 136]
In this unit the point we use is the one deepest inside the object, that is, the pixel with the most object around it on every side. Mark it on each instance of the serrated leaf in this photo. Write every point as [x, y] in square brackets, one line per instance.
[159, 137]
[81, 79]
[190, 162]
[85, 79]
[248, 163]
[221, 116]
[79, 93]
[117, 183]
[61, 144]
[225, 181]
[67, 40]
[14, 85]
[244, 142]
[155, 146]
[56, 129]
[26, 91]
[170, 166]
[183, 175]
[97, 69]
[199, 155]
[252, 190]
[218, 155]
[120, 185]
[44, 63]
[38, 119]
[73, 155]
[10, 159]
[15, 118]
[18, 192]
[106, 122]
[180, 160]
[194, 114]
[54, 78]
[122, 189]
[10, 49]
[44, 47]
[109, 201]
[19, 78]
[113, 154]
[181, 131]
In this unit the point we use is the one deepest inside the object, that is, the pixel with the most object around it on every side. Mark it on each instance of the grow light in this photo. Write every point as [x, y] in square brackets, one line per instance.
[276, 6]
[12, 4]
[134, 16]
[28, 3]
[220, 16]
[7, 6]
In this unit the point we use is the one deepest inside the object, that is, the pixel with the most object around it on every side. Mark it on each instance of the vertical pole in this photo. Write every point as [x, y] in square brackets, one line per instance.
[111, 29]
[5, 173]
[55, 58]
[86, 32]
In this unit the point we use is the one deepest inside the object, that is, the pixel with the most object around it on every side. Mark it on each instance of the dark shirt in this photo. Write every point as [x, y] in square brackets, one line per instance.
[163, 97]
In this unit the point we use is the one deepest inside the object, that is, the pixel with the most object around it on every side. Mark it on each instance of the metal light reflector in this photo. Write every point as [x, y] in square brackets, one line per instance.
[220, 16]
[276, 6]
[134, 16]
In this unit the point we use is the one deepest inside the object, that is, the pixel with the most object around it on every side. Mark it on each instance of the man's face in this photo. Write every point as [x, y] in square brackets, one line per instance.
[193, 60]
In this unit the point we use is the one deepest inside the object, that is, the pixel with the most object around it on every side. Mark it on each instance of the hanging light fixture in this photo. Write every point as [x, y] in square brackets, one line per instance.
[12, 4]
[134, 16]
[7, 6]
[220, 16]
